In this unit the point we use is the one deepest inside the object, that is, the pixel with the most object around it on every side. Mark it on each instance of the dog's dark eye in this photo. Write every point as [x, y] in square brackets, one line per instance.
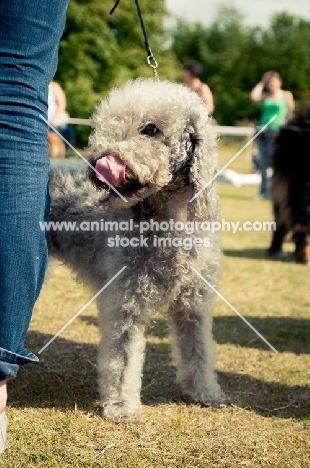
[150, 129]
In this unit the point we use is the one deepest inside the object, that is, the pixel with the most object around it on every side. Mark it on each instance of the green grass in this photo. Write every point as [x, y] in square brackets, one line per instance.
[53, 407]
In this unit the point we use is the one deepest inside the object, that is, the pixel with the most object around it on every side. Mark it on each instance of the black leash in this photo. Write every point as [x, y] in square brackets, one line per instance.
[150, 57]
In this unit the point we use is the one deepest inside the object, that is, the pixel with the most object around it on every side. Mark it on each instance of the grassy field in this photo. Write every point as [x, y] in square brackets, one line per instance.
[54, 410]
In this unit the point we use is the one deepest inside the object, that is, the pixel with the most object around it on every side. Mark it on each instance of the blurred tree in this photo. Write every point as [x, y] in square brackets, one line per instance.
[235, 57]
[190, 42]
[286, 47]
[221, 48]
[228, 46]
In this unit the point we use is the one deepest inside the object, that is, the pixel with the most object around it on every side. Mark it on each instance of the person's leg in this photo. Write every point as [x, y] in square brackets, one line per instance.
[3, 428]
[263, 166]
[30, 31]
[3, 394]
[57, 147]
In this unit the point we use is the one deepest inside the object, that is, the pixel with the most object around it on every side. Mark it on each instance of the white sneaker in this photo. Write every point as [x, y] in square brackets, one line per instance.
[3, 428]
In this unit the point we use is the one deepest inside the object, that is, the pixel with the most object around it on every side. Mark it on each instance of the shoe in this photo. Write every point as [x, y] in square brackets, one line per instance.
[3, 428]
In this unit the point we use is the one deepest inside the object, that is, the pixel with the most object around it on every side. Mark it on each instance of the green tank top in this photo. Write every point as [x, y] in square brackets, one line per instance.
[273, 107]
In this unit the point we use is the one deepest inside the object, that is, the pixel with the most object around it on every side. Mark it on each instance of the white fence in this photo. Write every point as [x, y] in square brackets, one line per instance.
[235, 131]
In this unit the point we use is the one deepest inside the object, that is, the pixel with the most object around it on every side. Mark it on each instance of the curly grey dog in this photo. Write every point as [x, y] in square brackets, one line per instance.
[153, 143]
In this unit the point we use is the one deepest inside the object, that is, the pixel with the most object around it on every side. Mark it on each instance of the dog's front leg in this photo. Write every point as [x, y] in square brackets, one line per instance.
[194, 352]
[279, 233]
[120, 361]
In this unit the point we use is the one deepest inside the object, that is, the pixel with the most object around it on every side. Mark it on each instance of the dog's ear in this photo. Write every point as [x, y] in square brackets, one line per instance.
[203, 170]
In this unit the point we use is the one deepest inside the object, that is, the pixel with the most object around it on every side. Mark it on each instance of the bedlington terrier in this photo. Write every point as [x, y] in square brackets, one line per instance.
[153, 149]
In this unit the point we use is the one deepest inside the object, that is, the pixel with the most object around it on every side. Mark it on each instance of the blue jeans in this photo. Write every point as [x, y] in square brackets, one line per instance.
[30, 32]
[265, 148]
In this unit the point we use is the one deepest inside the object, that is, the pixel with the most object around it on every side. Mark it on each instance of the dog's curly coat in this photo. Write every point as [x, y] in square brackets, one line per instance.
[161, 133]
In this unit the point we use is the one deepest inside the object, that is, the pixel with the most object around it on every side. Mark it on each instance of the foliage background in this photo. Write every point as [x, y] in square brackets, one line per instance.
[99, 50]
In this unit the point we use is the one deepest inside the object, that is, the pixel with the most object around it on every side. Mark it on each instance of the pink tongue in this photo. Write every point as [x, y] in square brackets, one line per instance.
[112, 170]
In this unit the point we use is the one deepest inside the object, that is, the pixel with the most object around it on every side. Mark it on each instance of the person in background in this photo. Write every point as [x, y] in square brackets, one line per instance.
[255, 160]
[191, 75]
[58, 117]
[278, 104]
[30, 33]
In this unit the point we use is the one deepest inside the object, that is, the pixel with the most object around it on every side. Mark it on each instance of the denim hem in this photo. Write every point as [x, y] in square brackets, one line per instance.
[10, 362]
[14, 358]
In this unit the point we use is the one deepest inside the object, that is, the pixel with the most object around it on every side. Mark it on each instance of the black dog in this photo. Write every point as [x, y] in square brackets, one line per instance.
[290, 190]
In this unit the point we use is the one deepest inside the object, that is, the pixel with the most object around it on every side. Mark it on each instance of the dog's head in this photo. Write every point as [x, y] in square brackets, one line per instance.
[151, 137]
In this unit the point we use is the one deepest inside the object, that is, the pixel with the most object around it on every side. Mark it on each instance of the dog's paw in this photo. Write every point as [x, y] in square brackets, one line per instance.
[279, 255]
[120, 413]
[216, 401]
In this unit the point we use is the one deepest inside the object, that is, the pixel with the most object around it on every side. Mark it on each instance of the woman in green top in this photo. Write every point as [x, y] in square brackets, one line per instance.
[278, 105]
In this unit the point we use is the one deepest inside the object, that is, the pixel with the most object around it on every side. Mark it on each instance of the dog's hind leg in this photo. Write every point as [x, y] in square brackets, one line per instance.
[120, 361]
[301, 238]
[195, 353]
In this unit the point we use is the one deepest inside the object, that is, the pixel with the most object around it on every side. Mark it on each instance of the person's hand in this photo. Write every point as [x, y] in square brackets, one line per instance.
[266, 77]
[3, 395]
[54, 123]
